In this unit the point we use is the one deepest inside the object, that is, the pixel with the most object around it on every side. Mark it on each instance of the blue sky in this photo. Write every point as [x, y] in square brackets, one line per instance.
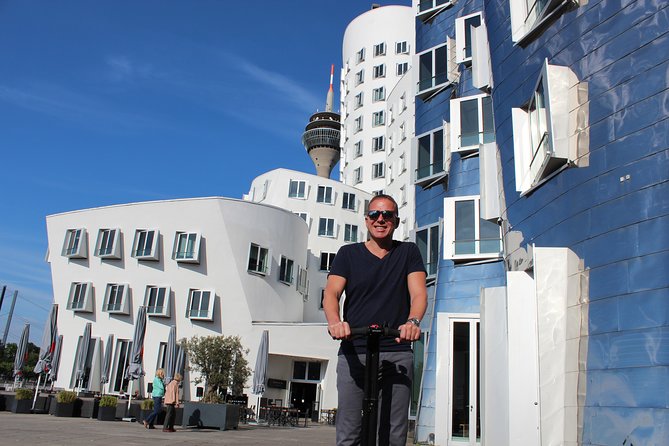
[105, 102]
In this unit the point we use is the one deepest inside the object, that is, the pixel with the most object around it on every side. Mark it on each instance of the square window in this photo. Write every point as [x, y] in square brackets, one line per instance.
[427, 9]
[436, 69]
[326, 227]
[357, 124]
[380, 49]
[286, 270]
[472, 123]
[378, 170]
[297, 189]
[156, 300]
[359, 77]
[378, 143]
[358, 100]
[358, 149]
[109, 244]
[350, 233]
[379, 71]
[348, 201]
[467, 237]
[378, 118]
[325, 195]
[76, 244]
[81, 297]
[326, 260]
[145, 246]
[200, 305]
[258, 259]
[402, 47]
[360, 55]
[116, 299]
[402, 68]
[379, 94]
[187, 247]
[357, 175]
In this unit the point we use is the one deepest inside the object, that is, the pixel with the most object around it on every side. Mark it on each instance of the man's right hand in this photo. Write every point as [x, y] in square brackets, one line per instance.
[339, 330]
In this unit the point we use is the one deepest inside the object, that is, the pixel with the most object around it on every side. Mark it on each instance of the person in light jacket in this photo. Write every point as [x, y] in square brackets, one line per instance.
[157, 394]
[172, 402]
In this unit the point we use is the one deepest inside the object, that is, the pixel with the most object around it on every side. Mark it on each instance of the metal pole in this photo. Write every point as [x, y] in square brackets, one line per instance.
[9, 318]
[2, 296]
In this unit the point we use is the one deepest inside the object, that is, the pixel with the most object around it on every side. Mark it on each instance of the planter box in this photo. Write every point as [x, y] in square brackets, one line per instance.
[87, 408]
[6, 401]
[63, 409]
[107, 413]
[22, 406]
[221, 416]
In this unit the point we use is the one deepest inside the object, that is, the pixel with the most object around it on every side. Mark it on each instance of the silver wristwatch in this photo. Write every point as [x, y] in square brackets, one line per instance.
[414, 321]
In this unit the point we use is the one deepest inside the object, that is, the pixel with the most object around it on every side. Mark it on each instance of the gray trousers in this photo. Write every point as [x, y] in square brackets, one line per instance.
[395, 375]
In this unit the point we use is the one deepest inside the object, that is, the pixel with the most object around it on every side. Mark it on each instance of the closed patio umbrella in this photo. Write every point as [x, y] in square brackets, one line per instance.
[134, 370]
[260, 371]
[82, 356]
[21, 355]
[55, 362]
[106, 362]
[180, 366]
[46, 350]
[171, 354]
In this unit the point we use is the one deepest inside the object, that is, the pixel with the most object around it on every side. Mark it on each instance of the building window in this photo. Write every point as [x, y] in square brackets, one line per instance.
[286, 270]
[116, 299]
[466, 235]
[303, 281]
[528, 16]
[258, 259]
[379, 94]
[378, 170]
[297, 189]
[430, 156]
[434, 69]
[402, 47]
[378, 118]
[326, 260]
[357, 124]
[306, 371]
[324, 195]
[402, 68]
[75, 245]
[303, 215]
[403, 103]
[156, 300]
[380, 49]
[378, 192]
[427, 240]
[378, 143]
[108, 245]
[350, 233]
[200, 305]
[360, 55]
[429, 8]
[359, 77]
[81, 297]
[348, 201]
[187, 247]
[326, 227]
[358, 100]
[357, 175]
[320, 307]
[121, 363]
[471, 122]
[379, 71]
[463, 36]
[162, 349]
[145, 246]
[358, 149]
[542, 142]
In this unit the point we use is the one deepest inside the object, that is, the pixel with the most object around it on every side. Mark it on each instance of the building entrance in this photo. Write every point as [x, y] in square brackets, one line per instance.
[302, 396]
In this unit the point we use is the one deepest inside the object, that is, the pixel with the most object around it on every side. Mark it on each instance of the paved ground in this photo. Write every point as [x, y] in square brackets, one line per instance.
[49, 430]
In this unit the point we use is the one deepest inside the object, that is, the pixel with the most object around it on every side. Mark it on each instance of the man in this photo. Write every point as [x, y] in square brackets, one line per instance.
[384, 283]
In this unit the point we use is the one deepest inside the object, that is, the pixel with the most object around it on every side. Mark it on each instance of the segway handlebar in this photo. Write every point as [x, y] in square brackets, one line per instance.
[376, 330]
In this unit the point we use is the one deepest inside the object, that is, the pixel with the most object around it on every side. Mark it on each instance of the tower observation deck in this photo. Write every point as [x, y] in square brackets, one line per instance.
[321, 136]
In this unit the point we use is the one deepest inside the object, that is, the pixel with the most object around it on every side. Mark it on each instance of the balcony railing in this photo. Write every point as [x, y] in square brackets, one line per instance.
[428, 85]
[429, 170]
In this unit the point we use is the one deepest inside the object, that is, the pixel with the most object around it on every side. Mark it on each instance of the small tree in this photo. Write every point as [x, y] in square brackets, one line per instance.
[220, 362]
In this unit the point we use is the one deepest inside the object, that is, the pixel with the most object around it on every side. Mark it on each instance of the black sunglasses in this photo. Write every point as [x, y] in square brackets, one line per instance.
[374, 215]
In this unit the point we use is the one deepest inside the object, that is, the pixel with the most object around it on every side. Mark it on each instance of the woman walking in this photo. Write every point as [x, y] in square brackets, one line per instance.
[172, 402]
[157, 394]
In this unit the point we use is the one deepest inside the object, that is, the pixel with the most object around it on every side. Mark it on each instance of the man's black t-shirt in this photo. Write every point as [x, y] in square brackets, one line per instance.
[376, 289]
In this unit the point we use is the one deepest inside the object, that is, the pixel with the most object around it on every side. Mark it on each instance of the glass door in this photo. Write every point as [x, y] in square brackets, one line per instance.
[464, 411]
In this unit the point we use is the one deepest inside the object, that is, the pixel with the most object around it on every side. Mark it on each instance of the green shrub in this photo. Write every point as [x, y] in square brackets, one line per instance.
[147, 404]
[66, 397]
[24, 394]
[108, 401]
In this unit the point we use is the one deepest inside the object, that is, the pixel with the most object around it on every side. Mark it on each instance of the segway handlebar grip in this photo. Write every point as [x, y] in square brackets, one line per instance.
[375, 330]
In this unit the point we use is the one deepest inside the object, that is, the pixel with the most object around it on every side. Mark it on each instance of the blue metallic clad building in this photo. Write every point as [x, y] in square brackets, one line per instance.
[542, 212]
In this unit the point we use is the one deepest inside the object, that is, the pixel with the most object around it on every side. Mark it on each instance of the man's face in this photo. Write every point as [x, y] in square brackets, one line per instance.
[381, 227]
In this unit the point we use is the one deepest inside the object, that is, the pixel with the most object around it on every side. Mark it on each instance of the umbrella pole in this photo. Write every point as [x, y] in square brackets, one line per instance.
[132, 381]
[39, 377]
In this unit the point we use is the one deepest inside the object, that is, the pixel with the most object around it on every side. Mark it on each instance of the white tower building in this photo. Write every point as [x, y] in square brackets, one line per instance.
[377, 106]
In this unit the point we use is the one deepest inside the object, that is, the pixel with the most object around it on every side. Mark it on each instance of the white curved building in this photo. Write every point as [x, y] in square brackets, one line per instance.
[209, 266]
[377, 53]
